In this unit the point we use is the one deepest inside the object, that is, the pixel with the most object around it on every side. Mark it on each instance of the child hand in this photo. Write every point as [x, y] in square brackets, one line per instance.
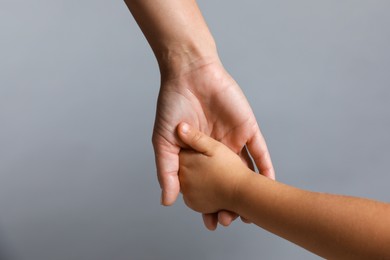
[210, 173]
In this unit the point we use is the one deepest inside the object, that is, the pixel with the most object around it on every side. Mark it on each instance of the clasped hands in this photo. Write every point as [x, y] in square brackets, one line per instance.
[210, 173]
[209, 100]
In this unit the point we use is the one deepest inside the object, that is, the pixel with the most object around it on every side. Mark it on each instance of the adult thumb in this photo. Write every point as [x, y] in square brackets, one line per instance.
[195, 139]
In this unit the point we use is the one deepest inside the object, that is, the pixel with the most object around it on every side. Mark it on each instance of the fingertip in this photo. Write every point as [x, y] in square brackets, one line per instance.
[210, 221]
[167, 200]
[246, 221]
[225, 222]
[225, 218]
[168, 197]
[270, 174]
[195, 139]
[213, 227]
[164, 201]
[259, 152]
[184, 128]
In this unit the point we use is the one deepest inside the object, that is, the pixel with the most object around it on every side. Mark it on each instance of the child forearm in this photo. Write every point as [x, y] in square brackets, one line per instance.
[331, 226]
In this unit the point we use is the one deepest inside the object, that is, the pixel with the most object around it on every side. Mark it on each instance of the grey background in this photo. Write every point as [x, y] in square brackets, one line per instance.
[78, 88]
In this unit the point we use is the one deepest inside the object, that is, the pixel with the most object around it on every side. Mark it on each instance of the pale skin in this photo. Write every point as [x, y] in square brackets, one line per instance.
[212, 178]
[194, 88]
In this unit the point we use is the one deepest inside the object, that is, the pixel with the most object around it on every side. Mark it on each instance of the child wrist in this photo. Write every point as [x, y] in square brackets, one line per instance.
[240, 190]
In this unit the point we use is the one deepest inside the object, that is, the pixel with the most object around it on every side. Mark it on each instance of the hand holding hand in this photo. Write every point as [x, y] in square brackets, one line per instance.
[205, 96]
[210, 173]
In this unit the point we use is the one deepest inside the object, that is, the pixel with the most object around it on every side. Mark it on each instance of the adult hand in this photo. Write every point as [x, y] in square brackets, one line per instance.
[206, 97]
[196, 89]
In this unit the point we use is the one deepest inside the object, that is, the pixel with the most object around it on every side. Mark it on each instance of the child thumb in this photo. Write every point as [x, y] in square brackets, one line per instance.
[196, 139]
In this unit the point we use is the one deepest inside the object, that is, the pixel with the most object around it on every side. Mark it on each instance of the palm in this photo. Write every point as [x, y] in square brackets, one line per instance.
[210, 100]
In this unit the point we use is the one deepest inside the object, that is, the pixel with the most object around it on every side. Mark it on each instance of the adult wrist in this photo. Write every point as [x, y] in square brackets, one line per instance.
[179, 59]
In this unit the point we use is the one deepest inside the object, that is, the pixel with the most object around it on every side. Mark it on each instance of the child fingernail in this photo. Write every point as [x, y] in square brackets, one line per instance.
[185, 128]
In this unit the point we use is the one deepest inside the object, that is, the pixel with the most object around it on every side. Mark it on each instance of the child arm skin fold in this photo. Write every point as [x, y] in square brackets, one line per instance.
[332, 226]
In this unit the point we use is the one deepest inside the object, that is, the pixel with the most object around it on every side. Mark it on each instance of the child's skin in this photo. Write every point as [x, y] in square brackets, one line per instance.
[213, 178]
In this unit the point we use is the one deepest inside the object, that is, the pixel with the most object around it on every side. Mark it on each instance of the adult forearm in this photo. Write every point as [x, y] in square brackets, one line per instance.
[332, 226]
[176, 31]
